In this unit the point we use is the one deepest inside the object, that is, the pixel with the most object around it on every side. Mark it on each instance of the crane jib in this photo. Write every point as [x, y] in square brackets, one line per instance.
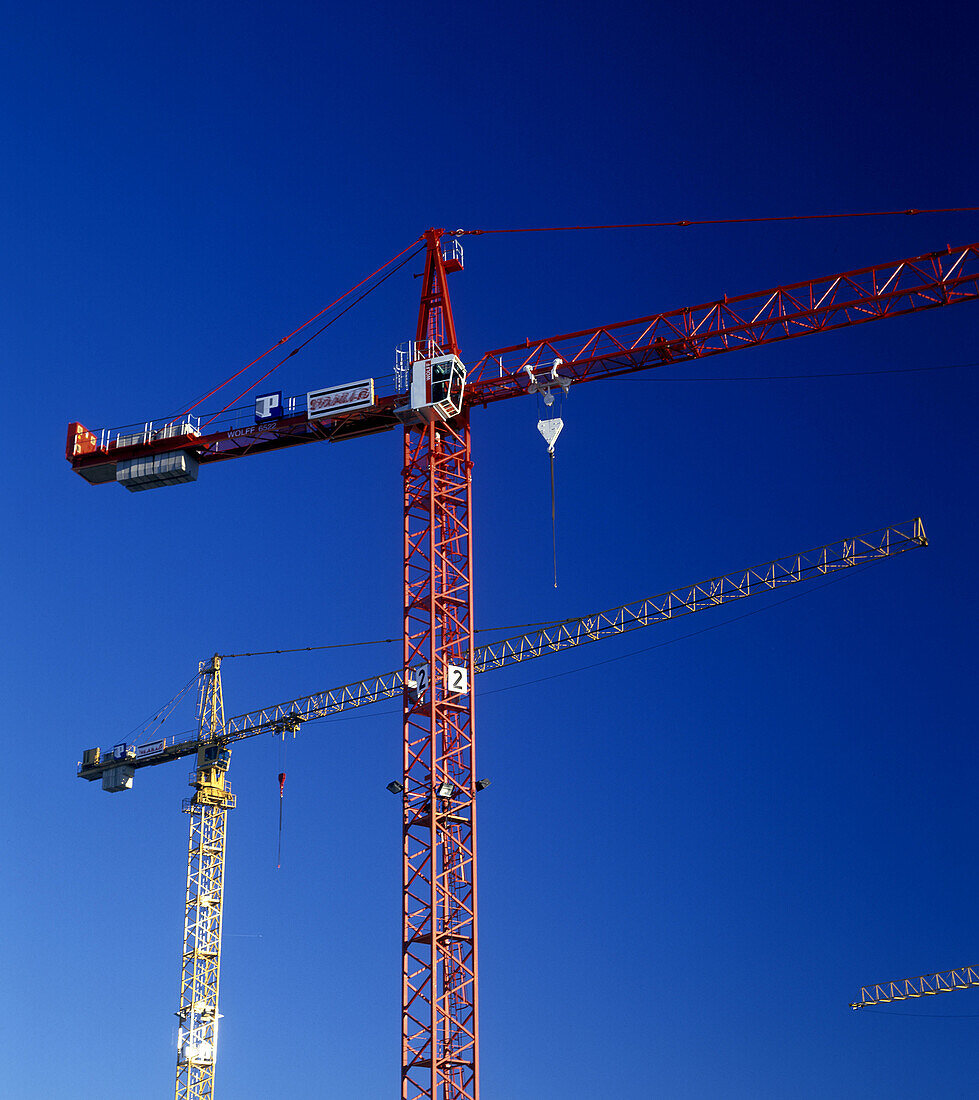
[170, 452]
[289, 716]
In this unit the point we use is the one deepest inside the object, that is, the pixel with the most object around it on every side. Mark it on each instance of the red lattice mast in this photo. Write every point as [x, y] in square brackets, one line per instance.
[440, 1047]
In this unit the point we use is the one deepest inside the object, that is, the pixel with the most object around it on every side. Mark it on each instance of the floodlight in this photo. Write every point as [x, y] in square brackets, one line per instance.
[446, 790]
[482, 784]
[395, 786]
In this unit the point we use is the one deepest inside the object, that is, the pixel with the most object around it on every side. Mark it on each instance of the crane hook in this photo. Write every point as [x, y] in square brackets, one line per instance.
[282, 787]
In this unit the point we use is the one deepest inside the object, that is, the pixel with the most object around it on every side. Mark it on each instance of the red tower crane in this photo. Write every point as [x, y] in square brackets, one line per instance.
[439, 1015]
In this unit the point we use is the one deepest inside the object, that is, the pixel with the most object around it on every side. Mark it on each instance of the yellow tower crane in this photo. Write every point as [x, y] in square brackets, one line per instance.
[211, 744]
[200, 974]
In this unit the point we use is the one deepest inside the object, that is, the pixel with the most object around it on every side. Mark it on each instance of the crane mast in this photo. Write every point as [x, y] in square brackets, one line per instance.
[439, 1039]
[200, 975]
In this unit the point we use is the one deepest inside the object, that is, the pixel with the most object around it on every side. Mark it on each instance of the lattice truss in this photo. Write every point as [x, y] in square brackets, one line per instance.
[927, 985]
[439, 1040]
[824, 560]
[552, 638]
[747, 320]
[936, 279]
[198, 1015]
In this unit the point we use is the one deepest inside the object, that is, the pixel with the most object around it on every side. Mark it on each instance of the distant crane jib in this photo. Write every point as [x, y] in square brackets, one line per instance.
[832, 557]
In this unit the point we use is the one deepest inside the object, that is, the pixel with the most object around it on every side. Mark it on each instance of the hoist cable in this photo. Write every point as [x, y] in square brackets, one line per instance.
[793, 377]
[286, 339]
[543, 625]
[719, 221]
[863, 566]
[319, 331]
[691, 634]
[390, 641]
[310, 648]
[164, 710]
[548, 624]
[553, 520]
[635, 652]
[921, 1015]
[282, 785]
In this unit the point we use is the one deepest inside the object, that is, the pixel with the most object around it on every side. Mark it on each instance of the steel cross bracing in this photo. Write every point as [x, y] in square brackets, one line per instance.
[439, 1039]
[553, 638]
[197, 1034]
[935, 279]
[719, 590]
[925, 986]
[763, 317]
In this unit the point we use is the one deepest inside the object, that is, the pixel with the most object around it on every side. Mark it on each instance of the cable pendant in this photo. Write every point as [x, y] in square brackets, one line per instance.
[553, 520]
[549, 386]
[282, 787]
[278, 854]
[550, 430]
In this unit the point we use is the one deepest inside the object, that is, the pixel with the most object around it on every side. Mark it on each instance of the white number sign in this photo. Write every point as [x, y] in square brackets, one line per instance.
[417, 680]
[456, 679]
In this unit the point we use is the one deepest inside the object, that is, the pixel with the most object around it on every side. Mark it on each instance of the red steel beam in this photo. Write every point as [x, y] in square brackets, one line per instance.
[935, 279]
[748, 320]
[439, 1018]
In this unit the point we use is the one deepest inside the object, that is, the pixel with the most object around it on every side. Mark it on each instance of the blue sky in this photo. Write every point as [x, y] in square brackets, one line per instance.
[690, 859]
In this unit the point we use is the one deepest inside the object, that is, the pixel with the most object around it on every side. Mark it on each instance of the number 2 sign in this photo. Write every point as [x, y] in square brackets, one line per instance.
[456, 679]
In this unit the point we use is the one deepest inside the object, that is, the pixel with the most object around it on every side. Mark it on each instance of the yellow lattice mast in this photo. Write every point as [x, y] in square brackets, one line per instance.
[198, 1015]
